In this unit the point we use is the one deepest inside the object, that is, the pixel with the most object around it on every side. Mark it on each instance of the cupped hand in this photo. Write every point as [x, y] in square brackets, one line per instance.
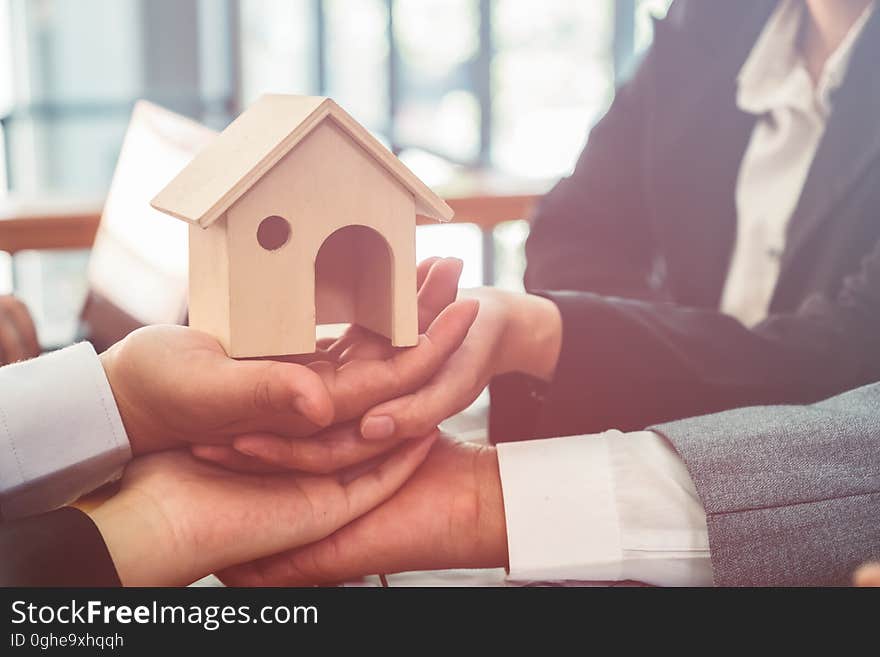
[512, 332]
[176, 519]
[174, 385]
[329, 450]
[362, 369]
[449, 514]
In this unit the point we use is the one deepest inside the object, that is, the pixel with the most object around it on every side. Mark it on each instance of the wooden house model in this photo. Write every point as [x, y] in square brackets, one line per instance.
[298, 216]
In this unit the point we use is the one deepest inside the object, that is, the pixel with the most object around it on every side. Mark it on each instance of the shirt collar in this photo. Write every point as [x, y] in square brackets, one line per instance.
[774, 74]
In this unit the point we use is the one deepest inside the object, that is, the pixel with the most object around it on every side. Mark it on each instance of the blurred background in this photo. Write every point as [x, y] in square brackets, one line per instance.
[474, 95]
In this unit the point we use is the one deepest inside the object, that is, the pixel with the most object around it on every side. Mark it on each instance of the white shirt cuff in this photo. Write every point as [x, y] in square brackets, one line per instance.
[662, 521]
[604, 507]
[60, 431]
[560, 509]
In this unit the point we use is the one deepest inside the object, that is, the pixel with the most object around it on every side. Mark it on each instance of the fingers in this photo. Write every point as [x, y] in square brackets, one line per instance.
[361, 384]
[868, 575]
[331, 450]
[24, 325]
[265, 515]
[350, 551]
[251, 389]
[366, 345]
[231, 459]
[423, 268]
[324, 344]
[383, 423]
[353, 336]
[370, 489]
[438, 290]
[440, 340]
[418, 412]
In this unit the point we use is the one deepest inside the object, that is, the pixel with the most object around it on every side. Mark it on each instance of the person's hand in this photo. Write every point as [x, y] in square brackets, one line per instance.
[449, 514]
[18, 336]
[361, 369]
[512, 332]
[437, 284]
[868, 575]
[329, 450]
[176, 519]
[174, 385]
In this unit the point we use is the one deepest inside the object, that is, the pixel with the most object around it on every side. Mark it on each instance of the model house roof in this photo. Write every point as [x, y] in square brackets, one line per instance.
[252, 144]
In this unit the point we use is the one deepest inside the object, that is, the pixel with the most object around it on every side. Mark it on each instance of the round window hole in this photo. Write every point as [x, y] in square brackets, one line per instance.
[273, 232]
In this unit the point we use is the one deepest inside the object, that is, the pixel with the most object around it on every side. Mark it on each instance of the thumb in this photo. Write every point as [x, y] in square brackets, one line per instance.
[438, 290]
[249, 389]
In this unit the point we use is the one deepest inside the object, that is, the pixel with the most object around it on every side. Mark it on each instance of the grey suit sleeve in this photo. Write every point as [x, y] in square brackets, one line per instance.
[791, 493]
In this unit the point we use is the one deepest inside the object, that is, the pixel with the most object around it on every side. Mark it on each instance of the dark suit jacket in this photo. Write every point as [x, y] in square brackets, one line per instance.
[60, 548]
[637, 243]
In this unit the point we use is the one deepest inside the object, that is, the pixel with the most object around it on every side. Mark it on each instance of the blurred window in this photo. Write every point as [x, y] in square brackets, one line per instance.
[552, 77]
[504, 84]
[512, 85]
[6, 89]
[507, 84]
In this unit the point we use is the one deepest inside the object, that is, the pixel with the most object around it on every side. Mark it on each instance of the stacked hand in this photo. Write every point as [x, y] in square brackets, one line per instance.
[175, 387]
[311, 502]
[449, 514]
[176, 519]
[363, 369]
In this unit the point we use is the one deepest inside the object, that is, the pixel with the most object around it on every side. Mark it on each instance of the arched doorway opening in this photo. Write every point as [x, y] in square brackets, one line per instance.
[353, 278]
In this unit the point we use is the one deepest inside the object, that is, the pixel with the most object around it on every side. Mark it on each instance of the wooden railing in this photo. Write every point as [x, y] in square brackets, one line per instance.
[34, 225]
[480, 198]
[48, 224]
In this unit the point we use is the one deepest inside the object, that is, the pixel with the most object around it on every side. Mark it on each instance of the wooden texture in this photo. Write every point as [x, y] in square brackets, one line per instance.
[209, 281]
[328, 183]
[256, 141]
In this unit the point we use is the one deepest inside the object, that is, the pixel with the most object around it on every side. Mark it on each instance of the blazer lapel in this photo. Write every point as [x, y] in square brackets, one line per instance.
[722, 47]
[699, 140]
[850, 144]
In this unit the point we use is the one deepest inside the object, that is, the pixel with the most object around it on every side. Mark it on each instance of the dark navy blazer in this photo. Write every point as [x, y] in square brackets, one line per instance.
[635, 246]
